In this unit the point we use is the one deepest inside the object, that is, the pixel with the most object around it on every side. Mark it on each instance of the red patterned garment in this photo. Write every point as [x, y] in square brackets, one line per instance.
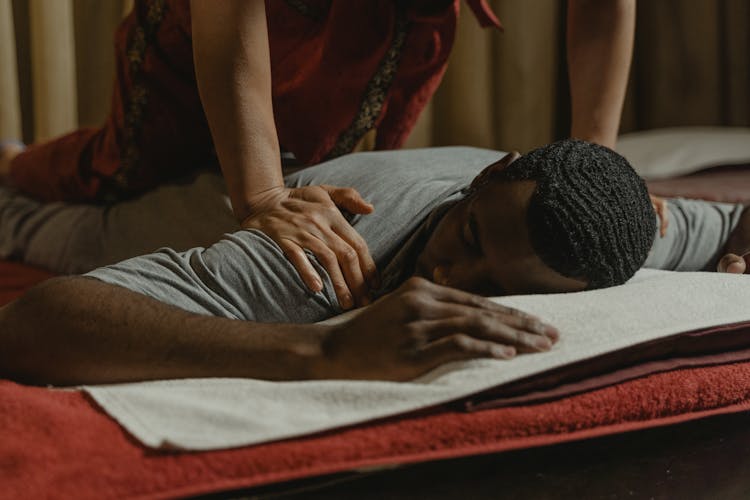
[339, 69]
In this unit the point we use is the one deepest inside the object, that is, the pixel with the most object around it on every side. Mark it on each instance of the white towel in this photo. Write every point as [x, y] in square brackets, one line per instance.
[204, 414]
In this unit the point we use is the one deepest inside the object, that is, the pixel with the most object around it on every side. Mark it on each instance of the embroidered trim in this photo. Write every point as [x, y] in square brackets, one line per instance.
[307, 10]
[115, 189]
[376, 91]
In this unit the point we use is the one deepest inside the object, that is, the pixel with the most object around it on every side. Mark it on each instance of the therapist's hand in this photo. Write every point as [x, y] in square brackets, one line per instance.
[423, 325]
[310, 218]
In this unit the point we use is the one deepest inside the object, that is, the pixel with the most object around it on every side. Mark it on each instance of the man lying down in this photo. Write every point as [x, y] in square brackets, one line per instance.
[567, 217]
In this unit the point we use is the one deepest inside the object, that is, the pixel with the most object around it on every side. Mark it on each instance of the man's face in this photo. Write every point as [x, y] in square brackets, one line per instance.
[482, 245]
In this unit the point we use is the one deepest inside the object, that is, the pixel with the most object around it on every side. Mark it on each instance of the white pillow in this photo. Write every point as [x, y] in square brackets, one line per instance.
[668, 152]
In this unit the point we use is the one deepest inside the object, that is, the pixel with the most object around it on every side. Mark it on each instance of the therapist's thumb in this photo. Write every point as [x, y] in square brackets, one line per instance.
[349, 199]
[732, 263]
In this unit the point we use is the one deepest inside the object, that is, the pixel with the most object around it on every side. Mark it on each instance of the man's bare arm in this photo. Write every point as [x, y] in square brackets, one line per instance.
[600, 48]
[71, 331]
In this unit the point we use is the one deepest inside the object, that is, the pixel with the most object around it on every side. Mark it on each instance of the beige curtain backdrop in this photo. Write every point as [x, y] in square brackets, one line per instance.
[56, 65]
[505, 91]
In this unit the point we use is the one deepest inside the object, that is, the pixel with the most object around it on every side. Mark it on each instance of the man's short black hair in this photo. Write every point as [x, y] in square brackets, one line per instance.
[590, 217]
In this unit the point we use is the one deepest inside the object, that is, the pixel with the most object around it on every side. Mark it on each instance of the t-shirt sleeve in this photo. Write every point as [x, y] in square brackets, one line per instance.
[696, 235]
[243, 276]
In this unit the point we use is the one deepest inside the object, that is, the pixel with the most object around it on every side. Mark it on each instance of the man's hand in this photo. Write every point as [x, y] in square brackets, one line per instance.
[736, 259]
[423, 325]
[309, 218]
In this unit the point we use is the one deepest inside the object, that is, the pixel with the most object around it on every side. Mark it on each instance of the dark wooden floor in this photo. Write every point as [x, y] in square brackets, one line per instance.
[706, 459]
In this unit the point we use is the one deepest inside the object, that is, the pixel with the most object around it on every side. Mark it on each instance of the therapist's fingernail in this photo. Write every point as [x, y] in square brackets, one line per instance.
[346, 302]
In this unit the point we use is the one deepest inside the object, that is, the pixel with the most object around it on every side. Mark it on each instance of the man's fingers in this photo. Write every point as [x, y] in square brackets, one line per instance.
[459, 347]
[349, 199]
[487, 327]
[732, 263]
[453, 295]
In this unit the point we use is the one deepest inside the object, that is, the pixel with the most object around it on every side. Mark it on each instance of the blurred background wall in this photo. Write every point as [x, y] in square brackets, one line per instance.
[505, 91]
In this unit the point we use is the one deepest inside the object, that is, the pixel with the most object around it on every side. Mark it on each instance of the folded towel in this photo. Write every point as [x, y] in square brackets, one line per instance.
[202, 414]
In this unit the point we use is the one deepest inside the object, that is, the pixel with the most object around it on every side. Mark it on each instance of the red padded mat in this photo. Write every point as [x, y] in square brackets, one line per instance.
[16, 278]
[57, 443]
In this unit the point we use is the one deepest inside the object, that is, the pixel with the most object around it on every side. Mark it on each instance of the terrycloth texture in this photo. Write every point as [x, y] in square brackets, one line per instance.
[56, 443]
[202, 414]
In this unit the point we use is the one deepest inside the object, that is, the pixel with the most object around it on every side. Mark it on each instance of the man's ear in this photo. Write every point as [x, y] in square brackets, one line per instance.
[499, 165]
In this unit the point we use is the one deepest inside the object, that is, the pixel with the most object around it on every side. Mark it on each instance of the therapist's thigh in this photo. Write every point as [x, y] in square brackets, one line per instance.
[73, 239]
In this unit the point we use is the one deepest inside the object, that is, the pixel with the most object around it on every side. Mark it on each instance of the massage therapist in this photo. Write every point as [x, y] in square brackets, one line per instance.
[249, 82]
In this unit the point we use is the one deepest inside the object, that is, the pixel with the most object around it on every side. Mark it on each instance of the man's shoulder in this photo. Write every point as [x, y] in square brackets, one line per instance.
[406, 165]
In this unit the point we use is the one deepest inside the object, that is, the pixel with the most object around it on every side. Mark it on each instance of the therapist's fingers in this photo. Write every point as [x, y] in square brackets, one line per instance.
[349, 199]
[329, 260]
[660, 207]
[297, 256]
[365, 263]
[348, 259]
[732, 263]
[354, 260]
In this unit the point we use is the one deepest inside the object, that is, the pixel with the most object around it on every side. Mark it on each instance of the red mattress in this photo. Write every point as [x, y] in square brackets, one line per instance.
[59, 443]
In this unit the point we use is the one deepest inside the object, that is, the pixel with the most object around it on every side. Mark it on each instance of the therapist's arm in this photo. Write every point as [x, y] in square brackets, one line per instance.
[70, 331]
[233, 72]
[599, 49]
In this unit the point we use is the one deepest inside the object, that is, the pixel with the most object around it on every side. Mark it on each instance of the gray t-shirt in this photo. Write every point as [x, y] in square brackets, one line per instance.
[246, 276]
